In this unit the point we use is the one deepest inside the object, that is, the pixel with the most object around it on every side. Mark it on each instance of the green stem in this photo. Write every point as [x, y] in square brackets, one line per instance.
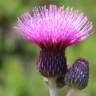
[52, 86]
[71, 92]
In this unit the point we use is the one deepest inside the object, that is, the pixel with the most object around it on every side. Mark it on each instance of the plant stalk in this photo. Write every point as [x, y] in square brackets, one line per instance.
[52, 86]
[71, 92]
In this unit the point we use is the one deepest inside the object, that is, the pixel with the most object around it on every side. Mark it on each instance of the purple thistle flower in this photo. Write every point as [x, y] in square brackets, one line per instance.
[53, 29]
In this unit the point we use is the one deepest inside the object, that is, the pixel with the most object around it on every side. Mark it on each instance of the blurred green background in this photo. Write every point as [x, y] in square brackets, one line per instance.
[18, 73]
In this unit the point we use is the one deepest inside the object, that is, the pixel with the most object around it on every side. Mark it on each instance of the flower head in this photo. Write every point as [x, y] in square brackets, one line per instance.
[53, 29]
[54, 26]
[78, 75]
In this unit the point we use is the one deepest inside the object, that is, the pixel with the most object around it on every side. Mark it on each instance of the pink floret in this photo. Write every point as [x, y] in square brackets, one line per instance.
[54, 26]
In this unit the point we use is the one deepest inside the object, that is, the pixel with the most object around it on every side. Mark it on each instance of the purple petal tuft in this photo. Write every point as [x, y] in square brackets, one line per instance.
[54, 26]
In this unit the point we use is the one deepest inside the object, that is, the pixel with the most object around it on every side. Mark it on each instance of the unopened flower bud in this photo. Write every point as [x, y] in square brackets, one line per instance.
[77, 76]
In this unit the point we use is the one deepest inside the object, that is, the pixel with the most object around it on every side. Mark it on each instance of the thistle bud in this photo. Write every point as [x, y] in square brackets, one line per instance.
[77, 76]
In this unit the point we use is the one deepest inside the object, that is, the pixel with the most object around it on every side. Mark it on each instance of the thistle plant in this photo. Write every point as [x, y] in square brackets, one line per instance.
[53, 29]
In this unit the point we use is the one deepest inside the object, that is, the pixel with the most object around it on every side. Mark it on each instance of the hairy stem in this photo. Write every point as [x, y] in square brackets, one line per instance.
[52, 86]
[71, 92]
